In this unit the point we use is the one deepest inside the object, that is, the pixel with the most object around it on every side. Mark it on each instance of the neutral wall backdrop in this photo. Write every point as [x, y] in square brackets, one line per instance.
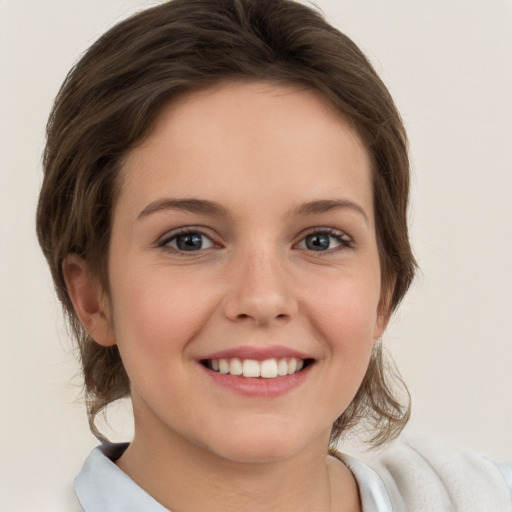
[448, 64]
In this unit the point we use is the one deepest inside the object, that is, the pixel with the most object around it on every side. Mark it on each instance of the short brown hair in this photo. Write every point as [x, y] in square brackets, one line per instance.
[109, 102]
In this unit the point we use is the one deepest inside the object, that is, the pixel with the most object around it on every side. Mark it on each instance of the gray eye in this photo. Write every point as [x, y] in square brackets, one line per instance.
[318, 242]
[321, 242]
[190, 242]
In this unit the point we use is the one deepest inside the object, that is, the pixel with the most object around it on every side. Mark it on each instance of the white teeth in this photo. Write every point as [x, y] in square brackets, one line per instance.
[282, 367]
[267, 369]
[251, 368]
[292, 366]
[235, 367]
[224, 366]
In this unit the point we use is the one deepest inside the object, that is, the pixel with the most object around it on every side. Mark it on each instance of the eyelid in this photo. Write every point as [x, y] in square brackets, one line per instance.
[174, 233]
[328, 230]
[344, 239]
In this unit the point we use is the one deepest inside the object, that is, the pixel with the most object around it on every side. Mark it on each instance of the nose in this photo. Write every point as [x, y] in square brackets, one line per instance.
[260, 291]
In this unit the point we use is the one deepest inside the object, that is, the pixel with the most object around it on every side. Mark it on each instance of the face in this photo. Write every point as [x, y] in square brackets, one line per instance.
[243, 244]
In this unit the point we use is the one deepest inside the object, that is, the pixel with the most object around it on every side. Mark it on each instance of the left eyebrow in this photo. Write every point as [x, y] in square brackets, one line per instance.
[325, 205]
[189, 205]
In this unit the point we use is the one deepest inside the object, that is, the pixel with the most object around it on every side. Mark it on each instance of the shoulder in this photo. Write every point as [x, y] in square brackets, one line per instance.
[101, 486]
[425, 475]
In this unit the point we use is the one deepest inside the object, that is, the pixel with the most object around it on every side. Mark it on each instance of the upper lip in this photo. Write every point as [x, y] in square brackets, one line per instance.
[258, 353]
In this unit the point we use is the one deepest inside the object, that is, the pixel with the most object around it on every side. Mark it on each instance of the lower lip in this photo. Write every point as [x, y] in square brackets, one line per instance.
[259, 386]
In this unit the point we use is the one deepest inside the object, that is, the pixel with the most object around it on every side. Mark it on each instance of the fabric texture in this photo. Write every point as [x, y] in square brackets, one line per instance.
[409, 476]
[102, 487]
[423, 475]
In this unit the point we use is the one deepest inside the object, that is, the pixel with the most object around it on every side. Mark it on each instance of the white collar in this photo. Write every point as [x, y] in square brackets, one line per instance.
[102, 486]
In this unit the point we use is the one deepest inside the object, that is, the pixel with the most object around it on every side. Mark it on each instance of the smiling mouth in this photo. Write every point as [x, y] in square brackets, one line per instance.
[251, 368]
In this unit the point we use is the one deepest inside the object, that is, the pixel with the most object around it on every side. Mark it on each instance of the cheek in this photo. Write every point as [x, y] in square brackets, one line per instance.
[155, 318]
[345, 308]
[157, 313]
[344, 313]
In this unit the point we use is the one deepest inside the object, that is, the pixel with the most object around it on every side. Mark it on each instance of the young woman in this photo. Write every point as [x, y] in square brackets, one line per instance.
[224, 214]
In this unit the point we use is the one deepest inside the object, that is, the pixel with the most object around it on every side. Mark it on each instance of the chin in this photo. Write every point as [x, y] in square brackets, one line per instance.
[263, 446]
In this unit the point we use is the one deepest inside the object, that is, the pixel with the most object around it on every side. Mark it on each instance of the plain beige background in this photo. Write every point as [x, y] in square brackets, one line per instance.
[449, 66]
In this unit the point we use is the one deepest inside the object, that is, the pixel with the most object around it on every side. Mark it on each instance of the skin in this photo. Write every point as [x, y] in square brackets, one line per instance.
[261, 152]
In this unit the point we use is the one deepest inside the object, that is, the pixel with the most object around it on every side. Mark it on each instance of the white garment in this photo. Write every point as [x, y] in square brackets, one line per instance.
[406, 477]
[421, 475]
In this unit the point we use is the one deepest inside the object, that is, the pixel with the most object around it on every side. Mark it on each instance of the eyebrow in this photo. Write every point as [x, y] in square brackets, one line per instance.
[189, 205]
[206, 207]
[325, 205]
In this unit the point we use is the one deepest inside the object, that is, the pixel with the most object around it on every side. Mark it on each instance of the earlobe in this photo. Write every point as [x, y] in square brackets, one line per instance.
[380, 325]
[88, 300]
[384, 311]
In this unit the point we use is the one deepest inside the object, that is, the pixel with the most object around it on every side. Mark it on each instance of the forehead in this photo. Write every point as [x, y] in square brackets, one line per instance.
[248, 139]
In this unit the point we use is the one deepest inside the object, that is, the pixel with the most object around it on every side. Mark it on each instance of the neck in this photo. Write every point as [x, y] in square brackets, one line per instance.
[185, 477]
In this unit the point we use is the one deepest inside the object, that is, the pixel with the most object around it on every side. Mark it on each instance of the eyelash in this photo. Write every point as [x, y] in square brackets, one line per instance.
[345, 242]
[164, 244]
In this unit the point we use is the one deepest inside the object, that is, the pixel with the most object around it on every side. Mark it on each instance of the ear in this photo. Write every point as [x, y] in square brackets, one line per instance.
[88, 300]
[381, 323]
[384, 310]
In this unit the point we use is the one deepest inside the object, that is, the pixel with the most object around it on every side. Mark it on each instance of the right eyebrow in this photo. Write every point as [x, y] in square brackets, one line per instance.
[190, 205]
[325, 205]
